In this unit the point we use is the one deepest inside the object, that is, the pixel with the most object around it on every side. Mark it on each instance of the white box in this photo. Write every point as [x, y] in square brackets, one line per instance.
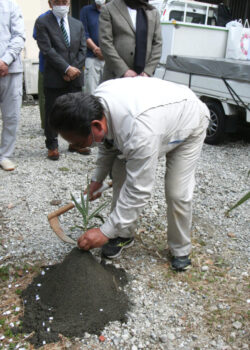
[194, 40]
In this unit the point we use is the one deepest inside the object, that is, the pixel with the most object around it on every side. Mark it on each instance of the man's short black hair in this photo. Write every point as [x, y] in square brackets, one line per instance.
[74, 112]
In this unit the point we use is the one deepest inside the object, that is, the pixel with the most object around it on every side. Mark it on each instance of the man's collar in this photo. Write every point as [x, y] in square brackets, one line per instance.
[59, 18]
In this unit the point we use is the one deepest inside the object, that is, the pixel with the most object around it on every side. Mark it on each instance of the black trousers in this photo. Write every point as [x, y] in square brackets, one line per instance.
[51, 95]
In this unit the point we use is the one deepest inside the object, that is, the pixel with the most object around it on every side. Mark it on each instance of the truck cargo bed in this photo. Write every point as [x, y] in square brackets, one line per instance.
[219, 78]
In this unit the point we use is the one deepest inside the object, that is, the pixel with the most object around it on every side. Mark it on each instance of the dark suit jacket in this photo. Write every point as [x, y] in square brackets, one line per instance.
[57, 56]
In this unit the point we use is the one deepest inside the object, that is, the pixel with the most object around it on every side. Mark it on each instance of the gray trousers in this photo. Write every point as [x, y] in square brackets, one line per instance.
[11, 90]
[92, 74]
[179, 186]
[118, 175]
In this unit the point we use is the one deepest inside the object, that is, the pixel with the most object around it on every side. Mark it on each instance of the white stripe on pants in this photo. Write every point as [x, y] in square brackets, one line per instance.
[10, 105]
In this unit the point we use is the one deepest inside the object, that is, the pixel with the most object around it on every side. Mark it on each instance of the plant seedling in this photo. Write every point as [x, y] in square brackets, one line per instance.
[83, 208]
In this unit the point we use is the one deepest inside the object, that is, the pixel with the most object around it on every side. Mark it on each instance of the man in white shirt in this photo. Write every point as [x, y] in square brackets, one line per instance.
[138, 120]
[12, 38]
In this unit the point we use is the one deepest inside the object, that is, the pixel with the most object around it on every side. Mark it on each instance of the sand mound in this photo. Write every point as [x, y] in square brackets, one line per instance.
[79, 295]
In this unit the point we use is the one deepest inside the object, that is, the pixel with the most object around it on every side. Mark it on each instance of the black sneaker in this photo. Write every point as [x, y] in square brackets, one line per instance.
[114, 247]
[180, 263]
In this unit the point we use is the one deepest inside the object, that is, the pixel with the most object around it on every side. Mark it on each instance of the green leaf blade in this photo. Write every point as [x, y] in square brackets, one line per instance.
[242, 200]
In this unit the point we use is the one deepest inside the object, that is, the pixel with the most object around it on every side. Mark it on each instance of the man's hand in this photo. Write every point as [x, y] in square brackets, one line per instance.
[4, 69]
[66, 78]
[73, 72]
[143, 74]
[130, 73]
[92, 238]
[98, 53]
[93, 187]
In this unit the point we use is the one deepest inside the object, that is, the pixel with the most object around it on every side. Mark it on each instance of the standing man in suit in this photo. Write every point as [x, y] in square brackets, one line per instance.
[62, 41]
[12, 38]
[130, 38]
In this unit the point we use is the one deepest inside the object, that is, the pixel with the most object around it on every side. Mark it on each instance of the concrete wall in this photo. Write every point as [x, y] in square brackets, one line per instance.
[31, 9]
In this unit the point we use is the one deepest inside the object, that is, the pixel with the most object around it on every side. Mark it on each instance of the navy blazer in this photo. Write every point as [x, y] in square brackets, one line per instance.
[57, 56]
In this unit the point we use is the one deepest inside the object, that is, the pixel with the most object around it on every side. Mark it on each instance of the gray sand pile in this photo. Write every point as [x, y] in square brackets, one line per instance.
[79, 295]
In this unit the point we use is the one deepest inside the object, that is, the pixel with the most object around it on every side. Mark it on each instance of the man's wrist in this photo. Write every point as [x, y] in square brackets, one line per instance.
[94, 179]
[7, 59]
[102, 232]
[67, 69]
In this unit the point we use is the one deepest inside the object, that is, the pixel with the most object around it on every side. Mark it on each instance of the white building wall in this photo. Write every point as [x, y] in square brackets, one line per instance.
[31, 9]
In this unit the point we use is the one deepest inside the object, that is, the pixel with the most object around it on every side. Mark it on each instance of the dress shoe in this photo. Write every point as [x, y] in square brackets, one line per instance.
[53, 154]
[7, 164]
[84, 151]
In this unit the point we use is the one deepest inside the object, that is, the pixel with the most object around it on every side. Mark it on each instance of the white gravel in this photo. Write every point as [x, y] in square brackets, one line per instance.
[163, 307]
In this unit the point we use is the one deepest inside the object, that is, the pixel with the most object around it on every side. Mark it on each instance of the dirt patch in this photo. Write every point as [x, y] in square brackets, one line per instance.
[79, 295]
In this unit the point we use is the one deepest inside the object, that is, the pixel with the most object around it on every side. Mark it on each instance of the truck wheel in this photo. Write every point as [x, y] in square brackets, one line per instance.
[216, 127]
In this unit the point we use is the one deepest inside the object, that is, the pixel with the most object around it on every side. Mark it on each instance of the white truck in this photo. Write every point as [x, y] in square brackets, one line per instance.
[193, 54]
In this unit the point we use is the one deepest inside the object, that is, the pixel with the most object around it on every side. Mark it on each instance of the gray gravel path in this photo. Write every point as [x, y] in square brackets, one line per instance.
[169, 311]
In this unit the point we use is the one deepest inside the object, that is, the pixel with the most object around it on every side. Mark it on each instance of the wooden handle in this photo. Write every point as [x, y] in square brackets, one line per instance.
[61, 210]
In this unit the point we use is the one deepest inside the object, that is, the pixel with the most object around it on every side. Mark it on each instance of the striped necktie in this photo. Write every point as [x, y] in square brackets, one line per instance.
[65, 35]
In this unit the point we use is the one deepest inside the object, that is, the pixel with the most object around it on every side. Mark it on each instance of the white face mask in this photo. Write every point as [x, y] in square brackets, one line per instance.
[100, 2]
[60, 11]
[95, 143]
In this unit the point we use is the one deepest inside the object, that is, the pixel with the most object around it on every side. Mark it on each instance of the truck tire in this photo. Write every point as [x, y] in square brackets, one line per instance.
[216, 127]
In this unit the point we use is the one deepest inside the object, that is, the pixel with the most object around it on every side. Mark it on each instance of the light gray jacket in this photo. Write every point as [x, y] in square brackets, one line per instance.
[12, 35]
[117, 40]
[142, 139]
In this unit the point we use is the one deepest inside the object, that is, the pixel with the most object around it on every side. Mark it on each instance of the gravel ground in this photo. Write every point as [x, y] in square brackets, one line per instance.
[205, 308]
